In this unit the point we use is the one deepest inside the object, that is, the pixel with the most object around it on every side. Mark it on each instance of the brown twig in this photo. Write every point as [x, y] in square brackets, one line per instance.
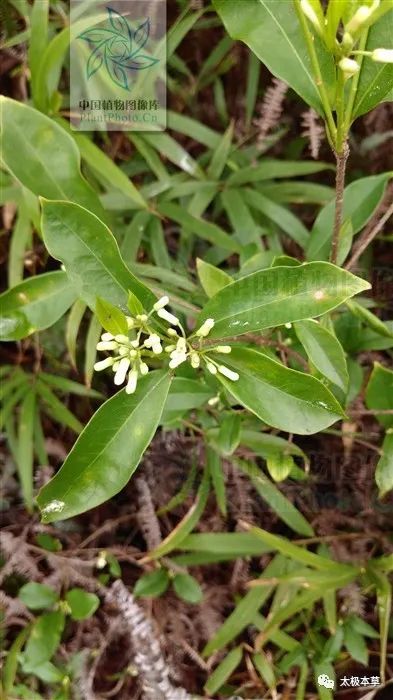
[341, 159]
[369, 235]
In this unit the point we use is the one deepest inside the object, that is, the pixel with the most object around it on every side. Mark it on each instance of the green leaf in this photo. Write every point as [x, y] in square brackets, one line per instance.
[11, 662]
[361, 198]
[90, 254]
[35, 304]
[212, 278]
[56, 408]
[25, 449]
[74, 321]
[185, 395]
[281, 216]
[42, 156]
[379, 393]
[187, 524]
[204, 229]
[68, 386]
[370, 319]
[153, 584]
[281, 397]
[37, 596]
[265, 670]
[171, 149]
[266, 445]
[82, 604]
[187, 588]
[355, 645]
[324, 351]
[269, 169]
[279, 466]
[384, 471]
[111, 318]
[376, 79]
[228, 437]
[272, 32]
[223, 671]
[279, 295]
[107, 452]
[214, 465]
[44, 639]
[281, 505]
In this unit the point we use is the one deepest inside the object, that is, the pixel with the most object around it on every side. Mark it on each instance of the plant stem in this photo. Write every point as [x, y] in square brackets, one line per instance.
[369, 236]
[341, 159]
[320, 85]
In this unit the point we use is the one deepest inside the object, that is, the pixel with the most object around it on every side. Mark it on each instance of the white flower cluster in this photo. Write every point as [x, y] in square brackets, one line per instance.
[130, 352]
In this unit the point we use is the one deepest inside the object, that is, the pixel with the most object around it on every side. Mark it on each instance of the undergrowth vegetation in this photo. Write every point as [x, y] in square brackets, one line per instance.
[196, 380]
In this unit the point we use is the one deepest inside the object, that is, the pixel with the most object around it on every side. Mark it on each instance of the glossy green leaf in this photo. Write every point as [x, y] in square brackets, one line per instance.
[35, 304]
[223, 671]
[376, 79]
[361, 198]
[44, 639]
[272, 31]
[152, 584]
[324, 351]
[111, 318]
[90, 255]
[283, 398]
[228, 437]
[43, 157]
[187, 588]
[212, 278]
[279, 295]
[108, 451]
[82, 604]
[379, 393]
[370, 319]
[37, 596]
[279, 466]
[384, 471]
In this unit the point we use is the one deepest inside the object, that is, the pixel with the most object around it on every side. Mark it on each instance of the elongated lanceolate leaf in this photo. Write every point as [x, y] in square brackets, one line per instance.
[90, 255]
[279, 295]
[35, 304]
[107, 452]
[281, 397]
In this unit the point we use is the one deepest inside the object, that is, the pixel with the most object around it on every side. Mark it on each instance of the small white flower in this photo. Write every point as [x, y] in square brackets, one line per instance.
[132, 381]
[161, 303]
[349, 67]
[223, 349]
[195, 360]
[167, 316]
[205, 328]
[121, 372]
[382, 55]
[212, 368]
[233, 376]
[154, 342]
[177, 358]
[104, 364]
[143, 368]
[107, 345]
[120, 338]
[107, 336]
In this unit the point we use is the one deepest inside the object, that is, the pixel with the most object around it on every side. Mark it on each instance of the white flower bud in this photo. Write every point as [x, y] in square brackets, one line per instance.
[195, 360]
[115, 366]
[172, 332]
[223, 349]
[167, 316]
[161, 303]
[121, 372]
[233, 376]
[212, 368]
[132, 382]
[214, 401]
[170, 348]
[310, 13]
[349, 67]
[143, 368]
[205, 328]
[104, 364]
[107, 345]
[107, 336]
[181, 345]
[130, 322]
[120, 338]
[382, 55]
[134, 343]
[101, 560]
[142, 317]
[123, 350]
[361, 15]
